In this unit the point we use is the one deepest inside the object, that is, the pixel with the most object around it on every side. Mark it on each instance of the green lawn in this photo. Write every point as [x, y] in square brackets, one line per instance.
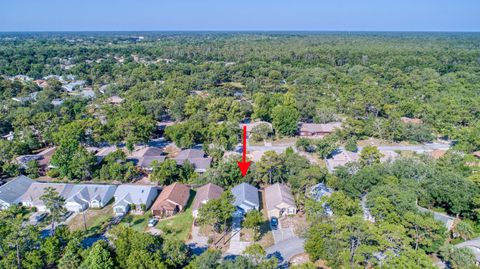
[180, 225]
[137, 222]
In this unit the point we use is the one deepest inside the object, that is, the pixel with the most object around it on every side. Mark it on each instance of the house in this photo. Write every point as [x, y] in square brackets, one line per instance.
[340, 158]
[104, 151]
[12, 191]
[195, 157]
[317, 192]
[77, 197]
[31, 97]
[411, 120]
[85, 196]
[72, 86]
[252, 125]
[9, 136]
[473, 245]
[446, 220]
[43, 159]
[57, 102]
[438, 153]
[143, 157]
[204, 194]
[279, 201]
[41, 83]
[318, 130]
[115, 100]
[135, 198]
[246, 197]
[32, 197]
[171, 200]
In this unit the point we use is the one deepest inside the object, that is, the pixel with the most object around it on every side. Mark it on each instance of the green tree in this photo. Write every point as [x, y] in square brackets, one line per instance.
[210, 259]
[253, 219]
[71, 255]
[285, 120]
[261, 132]
[32, 169]
[326, 146]
[98, 257]
[458, 258]
[166, 172]
[55, 204]
[351, 144]
[175, 252]
[370, 155]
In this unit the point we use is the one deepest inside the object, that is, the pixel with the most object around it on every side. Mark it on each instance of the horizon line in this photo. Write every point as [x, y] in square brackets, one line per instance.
[246, 30]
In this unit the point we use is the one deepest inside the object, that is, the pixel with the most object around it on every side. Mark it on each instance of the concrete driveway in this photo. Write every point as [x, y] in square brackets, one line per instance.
[287, 249]
[236, 245]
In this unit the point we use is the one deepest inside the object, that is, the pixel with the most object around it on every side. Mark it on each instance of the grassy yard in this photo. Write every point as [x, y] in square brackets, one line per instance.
[180, 225]
[137, 222]
[94, 219]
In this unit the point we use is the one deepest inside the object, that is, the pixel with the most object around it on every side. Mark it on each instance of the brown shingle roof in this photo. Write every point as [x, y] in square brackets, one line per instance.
[206, 193]
[172, 195]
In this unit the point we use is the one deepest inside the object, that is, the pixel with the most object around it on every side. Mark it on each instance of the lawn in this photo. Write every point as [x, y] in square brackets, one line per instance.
[137, 222]
[94, 219]
[180, 225]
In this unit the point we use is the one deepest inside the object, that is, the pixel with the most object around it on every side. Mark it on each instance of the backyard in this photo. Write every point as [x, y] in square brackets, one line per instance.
[178, 226]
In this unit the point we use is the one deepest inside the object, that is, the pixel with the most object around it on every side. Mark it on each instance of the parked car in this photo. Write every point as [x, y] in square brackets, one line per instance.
[152, 222]
[274, 223]
[40, 217]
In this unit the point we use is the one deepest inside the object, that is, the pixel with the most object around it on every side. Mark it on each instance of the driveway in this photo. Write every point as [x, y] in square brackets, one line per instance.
[236, 246]
[286, 249]
[198, 243]
[281, 234]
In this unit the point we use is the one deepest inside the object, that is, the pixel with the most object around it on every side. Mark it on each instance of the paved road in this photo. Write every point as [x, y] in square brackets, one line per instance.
[287, 248]
[416, 148]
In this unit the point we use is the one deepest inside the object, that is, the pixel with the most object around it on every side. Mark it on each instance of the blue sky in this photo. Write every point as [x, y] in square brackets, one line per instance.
[264, 15]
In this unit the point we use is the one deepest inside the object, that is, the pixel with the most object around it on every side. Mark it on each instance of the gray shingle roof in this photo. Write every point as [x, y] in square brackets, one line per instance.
[133, 194]
[245, 194]
[12, 191]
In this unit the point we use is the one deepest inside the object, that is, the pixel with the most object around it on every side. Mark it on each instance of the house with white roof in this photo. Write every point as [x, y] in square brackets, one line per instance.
[135, 198]
[12, 191]
[85, 196]
[77, 197]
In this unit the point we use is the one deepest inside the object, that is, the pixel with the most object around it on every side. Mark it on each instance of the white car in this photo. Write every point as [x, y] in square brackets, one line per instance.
[152, 222]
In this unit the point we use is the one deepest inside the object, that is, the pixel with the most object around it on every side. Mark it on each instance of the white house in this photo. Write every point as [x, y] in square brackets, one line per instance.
[77, 197]
[12, 191]
[133, 197]
[85, 196]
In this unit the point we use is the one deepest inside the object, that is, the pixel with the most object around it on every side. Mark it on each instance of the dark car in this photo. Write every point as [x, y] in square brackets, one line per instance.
[274, 223]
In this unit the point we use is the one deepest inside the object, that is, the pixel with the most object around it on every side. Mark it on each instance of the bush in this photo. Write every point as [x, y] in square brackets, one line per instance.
[53, 173]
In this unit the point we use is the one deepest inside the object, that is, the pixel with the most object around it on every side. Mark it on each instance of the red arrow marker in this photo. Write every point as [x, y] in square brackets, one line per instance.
[244, 165]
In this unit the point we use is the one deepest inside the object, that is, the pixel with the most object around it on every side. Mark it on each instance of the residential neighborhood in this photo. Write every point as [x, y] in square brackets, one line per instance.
[248, 134]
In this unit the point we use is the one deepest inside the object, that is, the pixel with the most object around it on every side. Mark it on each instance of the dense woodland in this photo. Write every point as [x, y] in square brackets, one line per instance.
[209, 82]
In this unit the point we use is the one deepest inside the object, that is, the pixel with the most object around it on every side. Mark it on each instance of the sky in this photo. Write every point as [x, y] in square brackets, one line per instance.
[239, 15]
